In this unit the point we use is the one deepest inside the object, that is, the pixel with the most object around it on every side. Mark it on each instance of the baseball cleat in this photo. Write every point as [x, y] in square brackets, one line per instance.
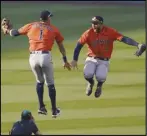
[42, 110]
[98, 92]
[56, 112]
[89, 88]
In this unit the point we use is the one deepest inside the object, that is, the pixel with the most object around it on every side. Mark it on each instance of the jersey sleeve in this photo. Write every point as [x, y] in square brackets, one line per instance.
[24, 30]
[15, 124]
[117, 36]
[34, 127]
[58, 36]
[83, 39]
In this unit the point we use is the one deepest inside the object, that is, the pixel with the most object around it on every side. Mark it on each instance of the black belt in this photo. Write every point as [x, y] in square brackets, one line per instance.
[39, 52]
[105, 59]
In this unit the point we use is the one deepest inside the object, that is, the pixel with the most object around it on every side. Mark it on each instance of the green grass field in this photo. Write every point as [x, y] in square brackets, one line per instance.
[121, 107]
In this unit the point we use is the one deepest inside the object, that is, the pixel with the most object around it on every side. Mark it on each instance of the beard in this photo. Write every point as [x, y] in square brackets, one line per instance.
[97, 30]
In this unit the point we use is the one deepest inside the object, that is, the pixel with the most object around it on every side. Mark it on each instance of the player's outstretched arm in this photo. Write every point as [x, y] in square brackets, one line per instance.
[76, 54]
[14, 32]
[129, 41]
[63, 52]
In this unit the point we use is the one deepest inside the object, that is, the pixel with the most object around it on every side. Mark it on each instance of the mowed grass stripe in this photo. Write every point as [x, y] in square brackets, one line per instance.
[131, 130]
[78, 104]
[125, 130]
[27, 94]
[82, 113]
[73, 78]
[56, 124]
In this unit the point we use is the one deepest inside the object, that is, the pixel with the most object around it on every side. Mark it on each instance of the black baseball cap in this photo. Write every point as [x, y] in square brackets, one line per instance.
[97, 19]
[45, 14]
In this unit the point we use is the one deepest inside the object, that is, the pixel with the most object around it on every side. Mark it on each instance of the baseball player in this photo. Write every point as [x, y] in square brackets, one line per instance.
[99, 39]
[26, 126]
[41, 35]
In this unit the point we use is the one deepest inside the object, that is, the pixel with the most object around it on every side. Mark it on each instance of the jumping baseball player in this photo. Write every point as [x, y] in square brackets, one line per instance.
[99, 39]
[41, 35]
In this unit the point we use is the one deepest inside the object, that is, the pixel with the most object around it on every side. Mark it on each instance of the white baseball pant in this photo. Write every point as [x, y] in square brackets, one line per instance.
[96, 67]
[42, 67]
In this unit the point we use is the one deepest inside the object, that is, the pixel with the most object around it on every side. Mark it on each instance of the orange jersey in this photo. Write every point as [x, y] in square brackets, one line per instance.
[100, 44]
[41, 35]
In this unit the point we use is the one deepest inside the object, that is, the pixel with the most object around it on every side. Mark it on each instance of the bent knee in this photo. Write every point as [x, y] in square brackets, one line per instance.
[101, 78]
[88, 75]
[41, 80]
[49, 82]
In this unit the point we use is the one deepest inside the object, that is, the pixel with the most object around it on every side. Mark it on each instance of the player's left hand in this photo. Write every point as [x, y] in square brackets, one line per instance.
[141, 49]
[67, 65]
[74, 64]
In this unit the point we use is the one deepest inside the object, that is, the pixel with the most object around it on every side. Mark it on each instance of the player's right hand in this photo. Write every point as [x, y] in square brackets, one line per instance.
[67, 65]
[74, 64]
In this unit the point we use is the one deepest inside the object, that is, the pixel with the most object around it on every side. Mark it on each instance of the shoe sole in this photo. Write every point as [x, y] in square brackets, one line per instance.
[55, 116]
[89, 93]
[41, 112]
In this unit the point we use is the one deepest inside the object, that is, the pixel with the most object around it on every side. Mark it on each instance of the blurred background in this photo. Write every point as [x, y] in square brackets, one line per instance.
[121, 108]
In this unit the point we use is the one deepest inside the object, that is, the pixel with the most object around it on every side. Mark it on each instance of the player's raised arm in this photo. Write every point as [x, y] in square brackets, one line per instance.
[130, 41]
[8, 29]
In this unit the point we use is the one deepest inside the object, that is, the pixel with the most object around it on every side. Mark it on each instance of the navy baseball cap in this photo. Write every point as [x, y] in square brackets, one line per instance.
[26, 115]
[45, 14]
[97, 19]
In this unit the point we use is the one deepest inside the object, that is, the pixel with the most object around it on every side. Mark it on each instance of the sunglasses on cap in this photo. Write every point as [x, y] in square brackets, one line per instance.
[97, 20]
[50, 15]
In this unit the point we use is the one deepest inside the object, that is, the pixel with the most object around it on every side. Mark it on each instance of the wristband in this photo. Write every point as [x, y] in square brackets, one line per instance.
[64, 59]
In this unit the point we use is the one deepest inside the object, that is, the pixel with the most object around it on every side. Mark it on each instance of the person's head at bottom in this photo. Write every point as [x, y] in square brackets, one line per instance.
[26, 115]
[26, 126]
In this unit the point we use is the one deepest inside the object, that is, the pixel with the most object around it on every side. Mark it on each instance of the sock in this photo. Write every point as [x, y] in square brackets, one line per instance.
[40, 91]
[100, 84]
[52, 95]
[90, 80]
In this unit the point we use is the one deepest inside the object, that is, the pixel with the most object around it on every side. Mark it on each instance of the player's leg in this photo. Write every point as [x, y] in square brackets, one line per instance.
[101, 75]
[47, 67]
[89, 70]
[36, 69]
